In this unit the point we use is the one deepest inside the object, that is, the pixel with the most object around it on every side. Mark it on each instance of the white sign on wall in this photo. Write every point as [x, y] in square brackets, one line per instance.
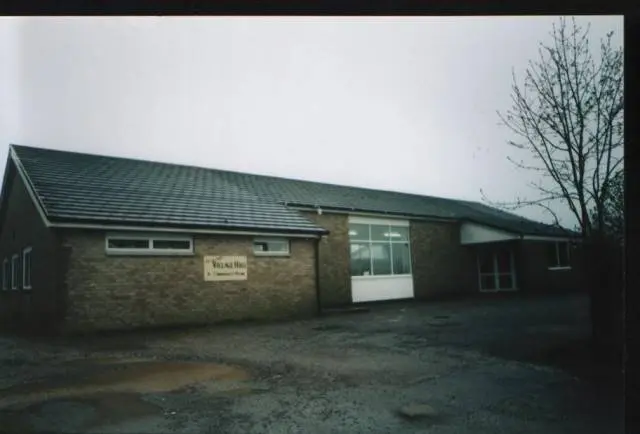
[225, 268]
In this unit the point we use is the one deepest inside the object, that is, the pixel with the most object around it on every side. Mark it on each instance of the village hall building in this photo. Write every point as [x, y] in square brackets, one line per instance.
[91, 242]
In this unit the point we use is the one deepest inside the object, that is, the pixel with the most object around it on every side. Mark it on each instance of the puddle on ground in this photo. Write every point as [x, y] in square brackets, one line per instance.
[106, 391]
[80, 413]
[121, 377]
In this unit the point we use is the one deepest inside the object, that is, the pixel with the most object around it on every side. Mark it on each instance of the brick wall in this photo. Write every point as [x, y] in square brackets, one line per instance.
[335, 277]
[534, 274]
[41, 307]
[441, 266]
[111, 292]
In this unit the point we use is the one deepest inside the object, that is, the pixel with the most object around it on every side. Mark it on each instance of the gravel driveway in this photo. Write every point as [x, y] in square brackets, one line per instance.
[465, 366]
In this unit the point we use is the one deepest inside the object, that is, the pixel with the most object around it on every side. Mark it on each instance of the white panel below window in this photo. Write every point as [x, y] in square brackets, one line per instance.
[372, 288]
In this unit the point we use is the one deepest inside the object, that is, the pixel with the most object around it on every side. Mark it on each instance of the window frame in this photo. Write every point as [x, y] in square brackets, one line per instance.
[370, 242]
[272, 253]
[495, 272]
[557, 265]
[15, 261]
[149, 250]
[26, 251]
[6, 274]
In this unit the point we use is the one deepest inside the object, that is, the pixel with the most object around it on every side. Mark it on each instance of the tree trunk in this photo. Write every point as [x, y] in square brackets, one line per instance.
[604, 273]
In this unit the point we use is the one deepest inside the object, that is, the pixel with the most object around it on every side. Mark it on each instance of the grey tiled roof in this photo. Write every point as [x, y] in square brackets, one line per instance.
[78, 186]
[90, 188]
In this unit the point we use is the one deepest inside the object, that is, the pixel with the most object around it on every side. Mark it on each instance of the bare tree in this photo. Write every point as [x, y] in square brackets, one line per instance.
[613, 210]
[568, 116]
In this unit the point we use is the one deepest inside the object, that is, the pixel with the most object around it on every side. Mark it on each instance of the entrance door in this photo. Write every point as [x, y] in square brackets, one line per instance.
[496, 269]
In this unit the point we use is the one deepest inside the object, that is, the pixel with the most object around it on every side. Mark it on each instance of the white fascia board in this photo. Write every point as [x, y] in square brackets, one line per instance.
[548, 238]
[473, 233]
[156, 230]
[376, 215]
[27, 185]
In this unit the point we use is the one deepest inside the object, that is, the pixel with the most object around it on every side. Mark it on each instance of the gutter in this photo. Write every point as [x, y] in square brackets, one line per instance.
[154, 229]
[367, 213]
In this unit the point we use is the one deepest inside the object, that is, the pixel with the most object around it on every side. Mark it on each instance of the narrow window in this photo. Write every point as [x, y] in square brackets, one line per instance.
[150, 245]
[271, 246]
[15, 262]
[26, 268]
[172, 244]
[6, 274]
[128, 243]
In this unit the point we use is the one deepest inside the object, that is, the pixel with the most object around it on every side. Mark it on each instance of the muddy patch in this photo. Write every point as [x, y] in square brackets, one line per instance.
[106, 391]
[330, 327]
[80, 413]
[128, 377]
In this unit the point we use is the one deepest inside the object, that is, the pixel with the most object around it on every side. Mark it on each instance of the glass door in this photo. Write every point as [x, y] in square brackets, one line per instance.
[496, 269]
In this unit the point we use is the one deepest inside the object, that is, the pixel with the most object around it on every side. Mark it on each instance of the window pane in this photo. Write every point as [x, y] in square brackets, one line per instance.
[487, 281]
[381, 254]
[380, 233]
[14, 272]
[486, 262]
[503, 257]
[505, 281]
[360, 260]
[119, 243]
[172, 244]
[401, 258]
[27, 268]
[271, 246]
[358, 232]
[398, 233]
[563, 254]
[552, 255]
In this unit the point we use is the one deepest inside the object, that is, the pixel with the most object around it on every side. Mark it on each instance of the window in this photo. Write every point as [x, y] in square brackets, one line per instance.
[139, 244]
[558, 255]
[26, 268]
[379, 249]
[271, 246]
[14, 271]
[6, 273]
[171, 244]
[496, 268]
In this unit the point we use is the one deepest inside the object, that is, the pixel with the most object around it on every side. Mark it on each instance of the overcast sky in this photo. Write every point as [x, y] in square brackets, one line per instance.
[406, 104]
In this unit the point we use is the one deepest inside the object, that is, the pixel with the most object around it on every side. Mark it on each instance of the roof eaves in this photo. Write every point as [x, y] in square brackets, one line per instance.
[70, 222]
[367, 210]
[524, 231]
[31, 190]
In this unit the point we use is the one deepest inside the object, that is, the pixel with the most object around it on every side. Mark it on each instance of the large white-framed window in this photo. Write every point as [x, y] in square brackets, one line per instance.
[148, 244]
[26, 268]
[379, 249]
[6, 274]
[558, 255]
[15, 263]
[271, 247]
